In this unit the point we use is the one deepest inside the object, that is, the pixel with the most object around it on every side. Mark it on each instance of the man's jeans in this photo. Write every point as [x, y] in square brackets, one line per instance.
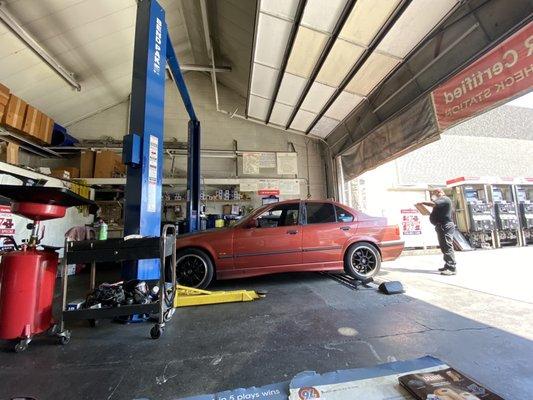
[445, 235]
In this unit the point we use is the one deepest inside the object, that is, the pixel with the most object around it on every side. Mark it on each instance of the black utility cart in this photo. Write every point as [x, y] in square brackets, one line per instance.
[120, 250]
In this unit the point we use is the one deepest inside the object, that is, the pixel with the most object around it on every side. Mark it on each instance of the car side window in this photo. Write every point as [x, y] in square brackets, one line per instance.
[343, 215]
[320, 213]
[281, 215]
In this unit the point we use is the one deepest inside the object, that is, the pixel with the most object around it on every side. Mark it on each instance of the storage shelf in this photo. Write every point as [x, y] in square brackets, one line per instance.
[27, 144]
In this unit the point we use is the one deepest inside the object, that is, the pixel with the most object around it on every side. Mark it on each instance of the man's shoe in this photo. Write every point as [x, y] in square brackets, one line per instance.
[443, 269]
[448, 272]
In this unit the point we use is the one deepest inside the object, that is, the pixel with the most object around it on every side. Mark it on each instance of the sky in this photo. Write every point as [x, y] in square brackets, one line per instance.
[524, 101]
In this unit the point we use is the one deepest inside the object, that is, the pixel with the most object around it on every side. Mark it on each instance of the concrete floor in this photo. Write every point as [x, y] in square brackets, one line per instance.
[307, 322]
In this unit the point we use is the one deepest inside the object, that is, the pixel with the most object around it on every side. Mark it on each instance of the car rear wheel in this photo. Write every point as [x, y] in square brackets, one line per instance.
[362, 261]
[194, 268]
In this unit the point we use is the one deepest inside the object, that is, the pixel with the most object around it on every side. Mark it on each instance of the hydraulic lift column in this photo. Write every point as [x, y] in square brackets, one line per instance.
[143, 146]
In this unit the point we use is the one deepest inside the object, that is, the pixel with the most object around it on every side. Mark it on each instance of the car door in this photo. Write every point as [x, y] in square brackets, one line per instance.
[274, 242]
[324, 234]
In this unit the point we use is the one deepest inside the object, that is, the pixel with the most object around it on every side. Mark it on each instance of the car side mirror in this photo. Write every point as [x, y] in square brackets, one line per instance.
[253, 223]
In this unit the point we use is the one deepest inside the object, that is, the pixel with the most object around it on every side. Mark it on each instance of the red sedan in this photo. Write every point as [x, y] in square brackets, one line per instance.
[293, 235]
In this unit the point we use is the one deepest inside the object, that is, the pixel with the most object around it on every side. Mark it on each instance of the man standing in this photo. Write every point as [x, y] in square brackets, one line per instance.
[441, 217]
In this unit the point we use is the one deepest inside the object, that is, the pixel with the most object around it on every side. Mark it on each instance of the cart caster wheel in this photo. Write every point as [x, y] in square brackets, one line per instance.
[93, 323]
[64, 338]
[156, 332]
[21, 346]
[167, 315]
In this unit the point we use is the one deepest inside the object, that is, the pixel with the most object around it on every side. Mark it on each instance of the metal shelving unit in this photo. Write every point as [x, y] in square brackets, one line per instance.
[27, 144]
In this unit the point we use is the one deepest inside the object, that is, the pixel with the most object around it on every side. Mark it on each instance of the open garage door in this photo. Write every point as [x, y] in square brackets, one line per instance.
[503, 73]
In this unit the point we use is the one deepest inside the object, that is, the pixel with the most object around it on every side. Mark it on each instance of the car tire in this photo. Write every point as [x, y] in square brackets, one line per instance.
[194, 268]
[362, 261]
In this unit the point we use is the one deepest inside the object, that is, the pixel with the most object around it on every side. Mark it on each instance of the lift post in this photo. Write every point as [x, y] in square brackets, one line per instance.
[143, 146]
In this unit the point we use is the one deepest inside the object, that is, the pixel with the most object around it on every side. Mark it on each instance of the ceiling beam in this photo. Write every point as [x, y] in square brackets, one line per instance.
[348, 7]
[292, 37]
[366, 54]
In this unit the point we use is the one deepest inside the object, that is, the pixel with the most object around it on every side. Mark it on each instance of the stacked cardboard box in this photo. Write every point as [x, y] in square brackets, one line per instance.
[87, 158]
[14, 113]
[22, 118]
[108, 164]
[9, 153]
[4, 99]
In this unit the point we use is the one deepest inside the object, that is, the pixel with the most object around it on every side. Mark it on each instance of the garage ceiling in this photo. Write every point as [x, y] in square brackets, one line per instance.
[316, 60]
[92, 38]
[338, 69]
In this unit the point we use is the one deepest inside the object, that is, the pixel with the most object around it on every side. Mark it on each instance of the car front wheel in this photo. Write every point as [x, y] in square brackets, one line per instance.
[194, 268]
[362, 261]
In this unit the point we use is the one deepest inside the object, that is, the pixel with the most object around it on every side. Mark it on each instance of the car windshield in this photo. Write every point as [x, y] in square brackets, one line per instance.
[254, 213]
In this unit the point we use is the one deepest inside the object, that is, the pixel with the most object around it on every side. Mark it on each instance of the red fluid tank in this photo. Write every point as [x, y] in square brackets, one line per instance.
[27, 281]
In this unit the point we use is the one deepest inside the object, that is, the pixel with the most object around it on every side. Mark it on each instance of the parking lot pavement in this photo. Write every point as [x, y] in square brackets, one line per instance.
[505, 272]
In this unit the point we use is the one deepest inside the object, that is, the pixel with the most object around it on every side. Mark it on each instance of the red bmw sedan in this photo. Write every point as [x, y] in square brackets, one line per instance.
[293, 235]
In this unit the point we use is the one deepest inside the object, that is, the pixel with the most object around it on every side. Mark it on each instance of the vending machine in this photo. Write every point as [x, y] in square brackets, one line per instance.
[474, 215]
[505, 212]
[524, 198]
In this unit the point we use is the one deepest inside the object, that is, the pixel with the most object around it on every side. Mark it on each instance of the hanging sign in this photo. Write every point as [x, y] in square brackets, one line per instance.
[504, 72]
[7, 227]
[268, 192]
[267, 160]
[411, 224]
[250, 163]
[287, 163]
[289, 186]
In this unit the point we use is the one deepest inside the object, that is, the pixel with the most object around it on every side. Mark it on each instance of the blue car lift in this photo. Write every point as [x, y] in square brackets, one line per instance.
[143, 146]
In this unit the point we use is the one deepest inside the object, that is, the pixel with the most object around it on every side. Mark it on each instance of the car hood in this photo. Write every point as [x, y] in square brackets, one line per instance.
[198, 234]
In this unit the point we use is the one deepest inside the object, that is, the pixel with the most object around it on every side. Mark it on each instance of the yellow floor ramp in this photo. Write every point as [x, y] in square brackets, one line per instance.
[187, 296]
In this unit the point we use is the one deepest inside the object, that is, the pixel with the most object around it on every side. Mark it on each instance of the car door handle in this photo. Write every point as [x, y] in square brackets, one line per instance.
[345, 228]
[292, 232]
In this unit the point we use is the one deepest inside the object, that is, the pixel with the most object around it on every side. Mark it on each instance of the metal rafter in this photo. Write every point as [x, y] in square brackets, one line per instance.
[348, 7]
[286, 55]
[369, 50]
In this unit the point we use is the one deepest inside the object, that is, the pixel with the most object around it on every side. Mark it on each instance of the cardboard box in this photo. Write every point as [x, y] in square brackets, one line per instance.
[9, 153]
[14, 113]
[61, 173]
[422, 209]
[2, 111]
[87, 158]
[46, 128]
[4, 95]
[108, 164]
[32, 121]
[74, 172]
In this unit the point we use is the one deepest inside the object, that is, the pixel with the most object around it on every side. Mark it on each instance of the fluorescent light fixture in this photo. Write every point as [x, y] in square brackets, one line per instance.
[375, 68]
[302, 120]
[258, 107]
[281, 8]
[324, 126]
[340, 60]
[305, 52]
[317, 97]
[415, 23]
[365, 20]
[272, 36]
[322, 15]
[10, 21]
[280, 114]
[263, 80]
[343, 105]
[290, 89]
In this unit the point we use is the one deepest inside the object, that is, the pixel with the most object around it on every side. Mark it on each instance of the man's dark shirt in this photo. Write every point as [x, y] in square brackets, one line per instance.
[442, 212]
